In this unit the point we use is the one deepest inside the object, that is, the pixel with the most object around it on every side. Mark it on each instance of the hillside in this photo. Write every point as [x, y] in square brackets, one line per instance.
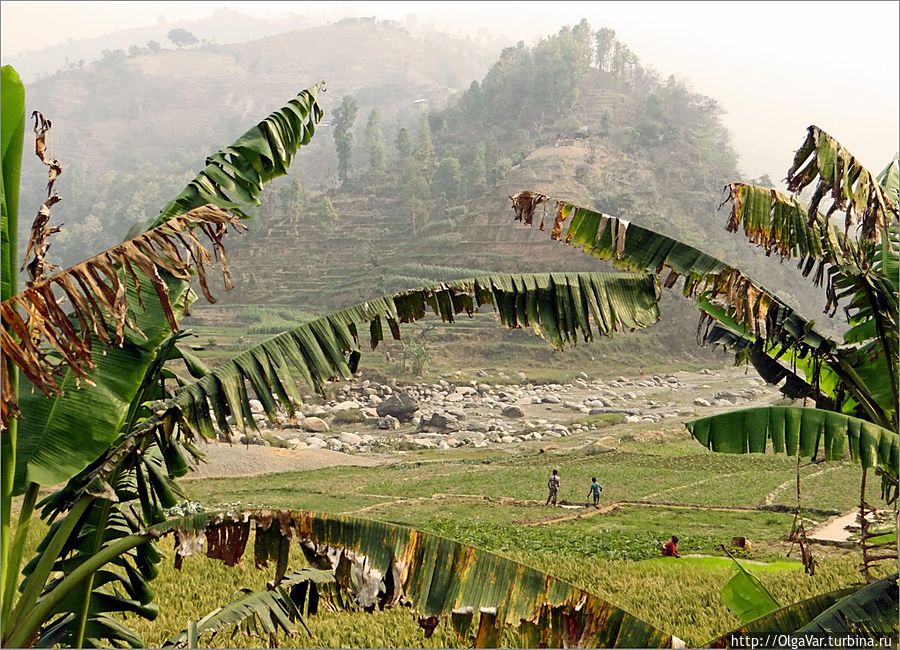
[575, 116]
[649, 150]
[129, 130]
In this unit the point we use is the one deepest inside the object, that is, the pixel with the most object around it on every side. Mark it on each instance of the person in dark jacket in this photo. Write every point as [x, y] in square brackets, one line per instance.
[552, 487]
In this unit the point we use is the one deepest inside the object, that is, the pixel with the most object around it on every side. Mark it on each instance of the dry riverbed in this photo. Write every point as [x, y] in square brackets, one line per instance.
[368, 423]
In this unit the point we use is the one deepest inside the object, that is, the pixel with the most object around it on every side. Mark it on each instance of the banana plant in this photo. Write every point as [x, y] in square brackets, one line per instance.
[866, 613]
[89, 374]
[852, 380]
[12, 135]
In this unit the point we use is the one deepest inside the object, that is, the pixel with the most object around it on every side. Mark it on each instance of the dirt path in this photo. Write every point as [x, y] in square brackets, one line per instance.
[224, 460]
[835, 529]
[771, 496]
[572, 511]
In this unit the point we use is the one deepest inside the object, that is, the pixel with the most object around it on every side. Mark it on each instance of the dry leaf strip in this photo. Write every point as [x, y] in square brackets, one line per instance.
[851, 187]
[97, 290]
[38, 241]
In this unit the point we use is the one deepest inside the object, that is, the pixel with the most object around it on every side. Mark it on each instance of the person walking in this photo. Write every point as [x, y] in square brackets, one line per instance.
[595, 491]
[553, 487]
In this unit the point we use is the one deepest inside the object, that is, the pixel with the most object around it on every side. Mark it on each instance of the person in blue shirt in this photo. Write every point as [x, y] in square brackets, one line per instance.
[596, 489]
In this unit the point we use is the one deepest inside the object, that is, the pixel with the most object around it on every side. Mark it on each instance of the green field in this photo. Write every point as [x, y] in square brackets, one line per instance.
[494, 500]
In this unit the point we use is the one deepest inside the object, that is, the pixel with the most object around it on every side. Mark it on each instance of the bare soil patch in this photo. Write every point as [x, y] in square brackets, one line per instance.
[223, 459]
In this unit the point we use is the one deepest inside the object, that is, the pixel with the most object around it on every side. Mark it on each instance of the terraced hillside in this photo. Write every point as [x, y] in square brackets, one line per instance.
[129, 130]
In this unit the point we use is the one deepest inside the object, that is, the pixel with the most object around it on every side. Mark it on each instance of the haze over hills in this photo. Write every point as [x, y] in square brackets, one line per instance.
[189, 102]
[576, 116]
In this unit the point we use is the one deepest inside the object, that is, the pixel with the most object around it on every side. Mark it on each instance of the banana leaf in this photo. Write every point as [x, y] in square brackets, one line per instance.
[61, 435]
[439, 577]
[234, 176]
[792, 430]
[12, 134]
[746, 596]
[867, 614]
[277, 608]
[838, 174]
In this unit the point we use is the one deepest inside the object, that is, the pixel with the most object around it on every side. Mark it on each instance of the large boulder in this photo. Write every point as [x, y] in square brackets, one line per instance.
[400, 406]
[351, 438]
[315, 425]
[438, 422]
[513, 412]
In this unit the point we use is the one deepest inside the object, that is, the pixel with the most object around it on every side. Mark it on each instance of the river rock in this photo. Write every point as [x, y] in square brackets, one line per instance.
[388, 423]
[401, 406]
[349, 405]
[351, 439]
[315, 425]
[512, 412]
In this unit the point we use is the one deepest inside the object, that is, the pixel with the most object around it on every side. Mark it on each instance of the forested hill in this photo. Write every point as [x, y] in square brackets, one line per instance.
[408, 182]
[130, 129]
[576, 116]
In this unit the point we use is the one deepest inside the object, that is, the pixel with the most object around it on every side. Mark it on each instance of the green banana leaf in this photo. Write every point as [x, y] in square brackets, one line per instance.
[838, 174]
[12, 134]
[274, 609]
[867, 614]
[61, 435]
[781, 621]
[631, 247]
[866, 374]
[746, 596]
[889, 180]
[863, 275]
[870, 613]
[764, 359]
[234, 176]
[439, 577]
[792, 430]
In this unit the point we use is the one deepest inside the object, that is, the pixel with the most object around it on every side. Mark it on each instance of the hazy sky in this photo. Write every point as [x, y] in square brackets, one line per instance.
[775, 67]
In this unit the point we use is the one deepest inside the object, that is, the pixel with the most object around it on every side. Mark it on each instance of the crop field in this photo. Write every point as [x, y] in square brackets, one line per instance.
[653, 488]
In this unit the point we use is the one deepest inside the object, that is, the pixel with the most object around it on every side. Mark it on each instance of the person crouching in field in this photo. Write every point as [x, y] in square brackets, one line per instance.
[670, 548]
[595, 491]
[553, 487]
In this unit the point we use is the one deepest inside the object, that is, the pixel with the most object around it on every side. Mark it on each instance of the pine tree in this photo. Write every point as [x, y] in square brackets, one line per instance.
[344, 117]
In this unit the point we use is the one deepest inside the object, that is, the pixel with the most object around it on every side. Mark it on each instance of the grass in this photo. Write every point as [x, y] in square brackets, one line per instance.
[493, 500]
[681, 596]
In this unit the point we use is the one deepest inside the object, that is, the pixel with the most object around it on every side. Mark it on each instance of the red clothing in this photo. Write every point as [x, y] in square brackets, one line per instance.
[670, 549]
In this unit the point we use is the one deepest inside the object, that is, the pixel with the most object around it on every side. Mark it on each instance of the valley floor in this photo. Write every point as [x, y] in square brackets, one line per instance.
[657, 481]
